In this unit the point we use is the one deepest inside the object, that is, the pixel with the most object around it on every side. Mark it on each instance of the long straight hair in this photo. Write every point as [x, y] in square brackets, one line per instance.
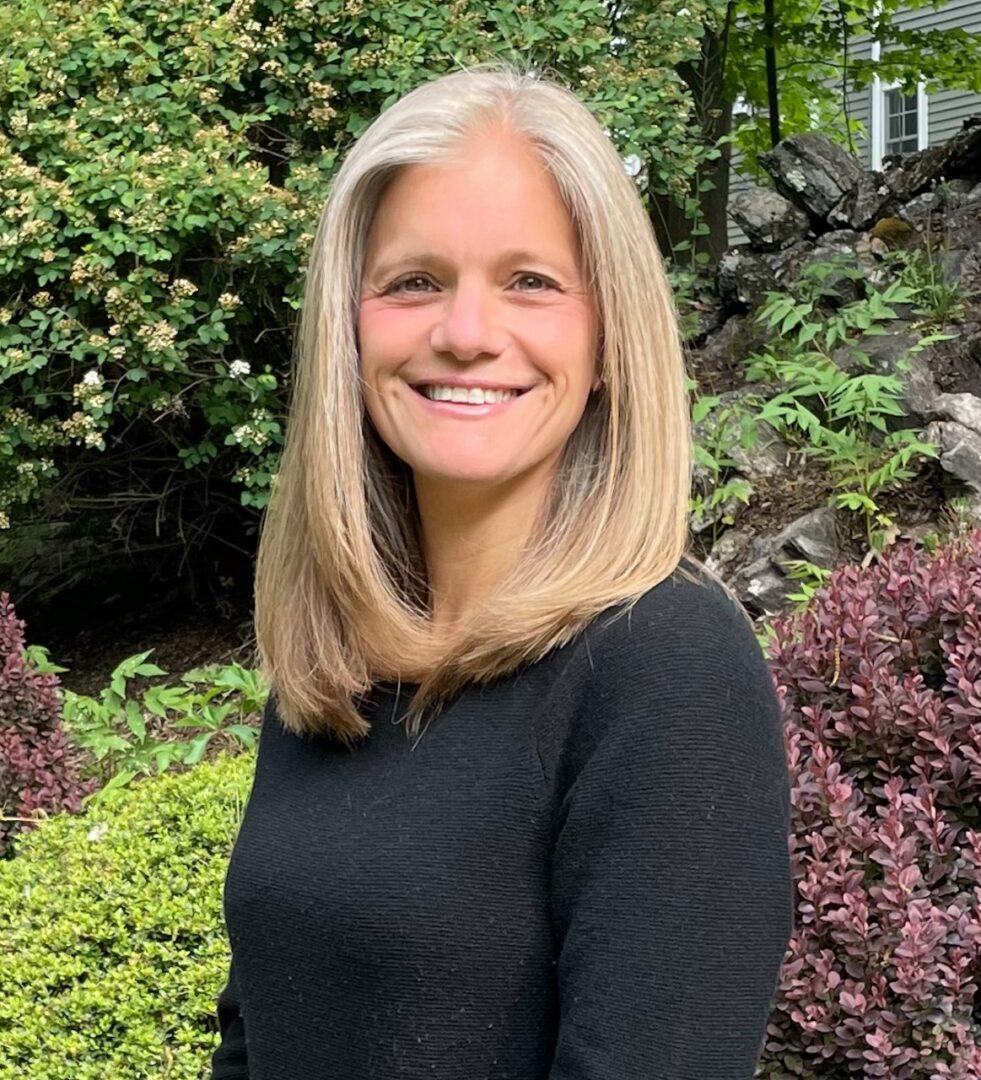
[341, 591]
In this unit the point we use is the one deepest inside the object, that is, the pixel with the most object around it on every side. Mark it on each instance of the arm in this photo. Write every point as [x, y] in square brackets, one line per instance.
[230, 1061]
[672, 896]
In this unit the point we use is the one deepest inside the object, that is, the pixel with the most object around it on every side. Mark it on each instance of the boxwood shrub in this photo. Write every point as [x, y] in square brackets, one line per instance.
[113, 936]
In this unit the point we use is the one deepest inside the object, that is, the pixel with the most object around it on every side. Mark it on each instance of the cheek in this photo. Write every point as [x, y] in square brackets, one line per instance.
[387, 332]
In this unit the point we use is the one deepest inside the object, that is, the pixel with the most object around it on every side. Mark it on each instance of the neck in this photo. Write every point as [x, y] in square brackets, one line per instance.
[472, 537]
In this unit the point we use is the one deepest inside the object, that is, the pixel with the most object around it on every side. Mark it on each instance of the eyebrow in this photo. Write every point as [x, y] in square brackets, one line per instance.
[421, 258]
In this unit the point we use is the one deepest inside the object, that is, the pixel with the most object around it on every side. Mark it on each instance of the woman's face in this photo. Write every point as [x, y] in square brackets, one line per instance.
[478, 339]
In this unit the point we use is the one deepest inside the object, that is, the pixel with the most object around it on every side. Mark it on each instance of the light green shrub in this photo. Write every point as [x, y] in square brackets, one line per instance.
[113, 935]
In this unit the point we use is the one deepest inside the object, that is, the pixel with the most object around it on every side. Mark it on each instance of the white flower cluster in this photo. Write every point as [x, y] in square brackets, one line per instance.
[239, 368]
[158, 336]
[89, 390]
[121, 307]
[250, 432]
[41, 299]
[229, 301]
[182, 288]
[84, 272]
[81, 425]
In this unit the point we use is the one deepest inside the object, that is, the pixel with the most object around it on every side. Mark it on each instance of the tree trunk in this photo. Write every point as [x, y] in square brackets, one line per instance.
[713, 110]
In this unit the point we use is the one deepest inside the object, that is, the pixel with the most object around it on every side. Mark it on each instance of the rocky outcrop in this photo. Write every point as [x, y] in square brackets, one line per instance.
[824, 203]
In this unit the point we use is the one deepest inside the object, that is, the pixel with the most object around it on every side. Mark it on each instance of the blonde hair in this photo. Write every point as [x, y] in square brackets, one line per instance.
[341, 593]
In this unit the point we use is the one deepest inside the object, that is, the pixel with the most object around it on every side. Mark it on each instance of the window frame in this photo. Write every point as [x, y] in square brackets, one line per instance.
[878, 133]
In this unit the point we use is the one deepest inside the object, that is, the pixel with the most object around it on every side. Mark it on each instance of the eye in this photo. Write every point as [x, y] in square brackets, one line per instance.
[400, 284]
[536, 277]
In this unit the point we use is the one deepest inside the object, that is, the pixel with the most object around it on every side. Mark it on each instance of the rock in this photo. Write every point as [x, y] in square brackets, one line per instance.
[920, 392]
[964, 409]
[921, 212]
[769, 454]
[761, 587]
[767, 457]
[744, 277]
[885, 352]
[728, 348]
[860, 207]
[731, 546]
[814, 173]
[957, 159]
[763, 584]
[848, 250]
[955, 264]
[769, 220]
[960, 450]
[727, 508]
[963, 225]
[813, 537]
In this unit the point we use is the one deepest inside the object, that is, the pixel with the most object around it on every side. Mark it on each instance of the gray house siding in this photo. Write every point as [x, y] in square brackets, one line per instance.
[946, 109]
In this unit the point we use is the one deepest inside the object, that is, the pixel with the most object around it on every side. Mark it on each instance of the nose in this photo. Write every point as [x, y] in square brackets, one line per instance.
[468, 324]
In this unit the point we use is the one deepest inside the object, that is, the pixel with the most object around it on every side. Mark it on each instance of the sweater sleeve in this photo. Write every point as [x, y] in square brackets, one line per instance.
[230, 1060]
[672, 899]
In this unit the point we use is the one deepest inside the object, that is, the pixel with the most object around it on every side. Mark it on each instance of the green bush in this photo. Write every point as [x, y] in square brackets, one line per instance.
[113, 935]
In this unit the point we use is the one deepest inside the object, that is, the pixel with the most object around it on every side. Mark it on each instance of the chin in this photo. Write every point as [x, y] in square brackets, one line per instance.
[476, 473]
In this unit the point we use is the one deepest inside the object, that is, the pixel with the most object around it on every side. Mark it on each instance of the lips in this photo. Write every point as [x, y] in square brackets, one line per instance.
[467, 384]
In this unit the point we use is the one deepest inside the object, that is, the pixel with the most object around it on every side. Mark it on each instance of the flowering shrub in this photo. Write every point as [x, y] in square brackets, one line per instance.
[880, 682]
[165, 167]
[39, 768]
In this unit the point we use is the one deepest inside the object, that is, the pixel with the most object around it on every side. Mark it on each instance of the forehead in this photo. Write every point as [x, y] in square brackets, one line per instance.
[497, 199]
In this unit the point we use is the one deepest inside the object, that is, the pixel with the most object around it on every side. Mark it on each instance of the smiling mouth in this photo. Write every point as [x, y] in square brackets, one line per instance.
[461, 395]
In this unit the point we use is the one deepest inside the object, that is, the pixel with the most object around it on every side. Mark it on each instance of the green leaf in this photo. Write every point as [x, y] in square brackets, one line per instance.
[197, 748]
[149, 669]
[134, 720]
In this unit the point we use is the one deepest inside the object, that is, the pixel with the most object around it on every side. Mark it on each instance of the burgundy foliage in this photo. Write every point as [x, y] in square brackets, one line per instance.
[39, 767]
[880, 684]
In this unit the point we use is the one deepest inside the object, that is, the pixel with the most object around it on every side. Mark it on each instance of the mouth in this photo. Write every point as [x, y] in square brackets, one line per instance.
[472, 396]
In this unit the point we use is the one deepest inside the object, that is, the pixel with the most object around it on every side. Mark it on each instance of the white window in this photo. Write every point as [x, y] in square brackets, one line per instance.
[899, 121]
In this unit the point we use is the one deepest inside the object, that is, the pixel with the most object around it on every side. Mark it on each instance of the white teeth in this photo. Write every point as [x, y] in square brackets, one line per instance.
[463, 396]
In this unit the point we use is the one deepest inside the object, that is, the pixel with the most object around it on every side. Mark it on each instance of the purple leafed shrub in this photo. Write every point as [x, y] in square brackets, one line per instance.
[39, 768]
[880, 683]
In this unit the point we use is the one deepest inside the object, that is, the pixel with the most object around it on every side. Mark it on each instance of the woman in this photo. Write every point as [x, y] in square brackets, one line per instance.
[581, 871]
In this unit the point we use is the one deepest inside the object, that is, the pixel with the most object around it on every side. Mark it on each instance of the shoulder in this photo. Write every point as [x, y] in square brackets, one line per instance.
[682, 656]
[683, 663]
[680, 619]
[674, 684]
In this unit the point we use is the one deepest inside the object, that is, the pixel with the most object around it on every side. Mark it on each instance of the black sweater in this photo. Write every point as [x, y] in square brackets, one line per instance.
[579, 872]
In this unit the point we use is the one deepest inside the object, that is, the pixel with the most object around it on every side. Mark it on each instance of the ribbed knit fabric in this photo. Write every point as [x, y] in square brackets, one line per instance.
[579, 872]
